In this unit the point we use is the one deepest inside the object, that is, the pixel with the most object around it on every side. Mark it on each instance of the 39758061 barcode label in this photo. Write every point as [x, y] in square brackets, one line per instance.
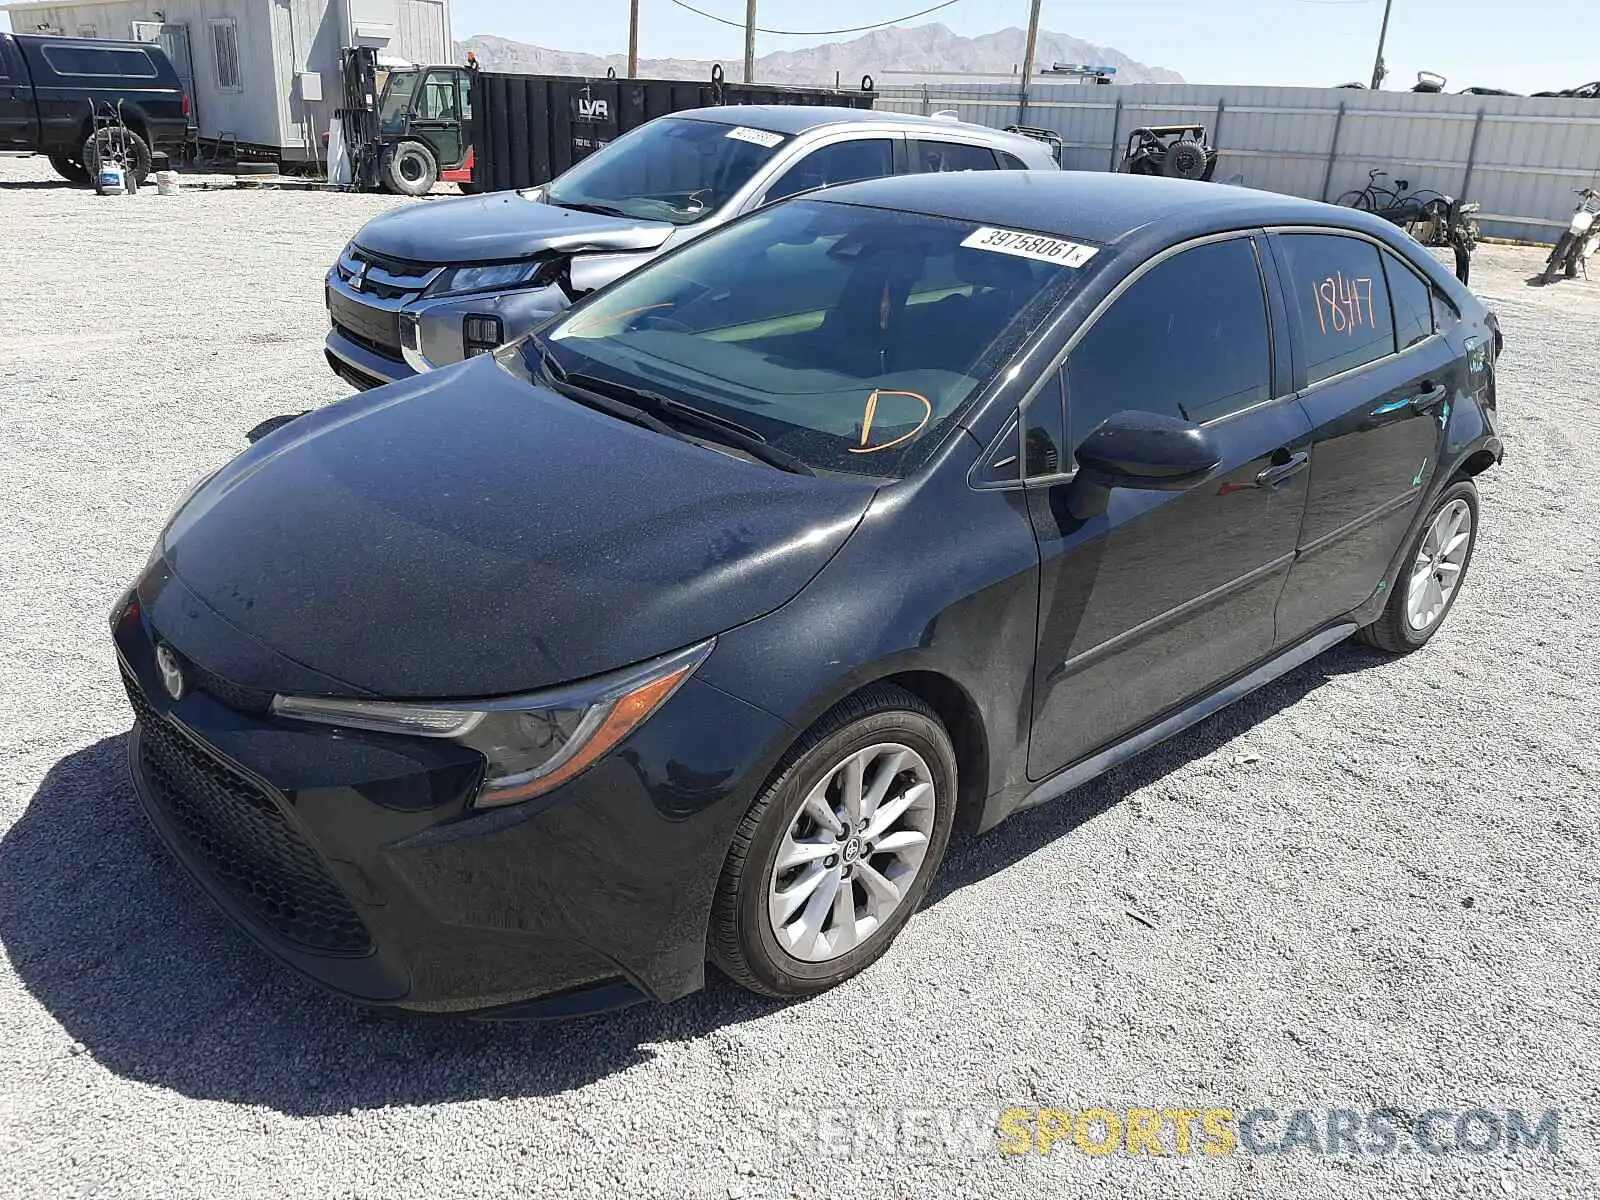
[1029, 245]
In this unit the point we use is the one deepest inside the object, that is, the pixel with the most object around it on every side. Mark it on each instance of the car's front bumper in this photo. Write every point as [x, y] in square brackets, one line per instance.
[359, 860]
[377, 339]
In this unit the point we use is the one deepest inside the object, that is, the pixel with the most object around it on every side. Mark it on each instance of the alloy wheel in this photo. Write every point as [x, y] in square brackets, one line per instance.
[1438, 566]
[851, 852]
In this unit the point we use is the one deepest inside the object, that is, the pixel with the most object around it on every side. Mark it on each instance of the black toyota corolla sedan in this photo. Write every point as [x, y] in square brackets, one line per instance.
[689, 627]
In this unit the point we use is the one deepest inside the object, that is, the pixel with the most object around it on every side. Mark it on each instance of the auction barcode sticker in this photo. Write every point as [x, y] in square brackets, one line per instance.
[1029, 245]
[758, 137]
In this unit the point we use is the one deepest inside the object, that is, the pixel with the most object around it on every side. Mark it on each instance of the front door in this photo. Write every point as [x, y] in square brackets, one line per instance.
[437, 115]
[1377, 412]
[18, 130]
[1166, 595]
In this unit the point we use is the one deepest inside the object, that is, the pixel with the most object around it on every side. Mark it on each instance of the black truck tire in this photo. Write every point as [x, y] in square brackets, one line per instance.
[1185, 159]
[69, 169]
[409, 169]
[121, 146]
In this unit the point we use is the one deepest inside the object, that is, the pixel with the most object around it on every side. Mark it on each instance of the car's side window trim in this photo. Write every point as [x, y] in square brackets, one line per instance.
[1307, 389]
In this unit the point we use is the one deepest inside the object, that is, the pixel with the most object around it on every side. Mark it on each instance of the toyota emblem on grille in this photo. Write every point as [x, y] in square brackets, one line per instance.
[171, 671]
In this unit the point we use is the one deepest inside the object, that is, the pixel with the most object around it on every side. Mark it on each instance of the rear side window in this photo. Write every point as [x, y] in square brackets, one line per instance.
[1010, 162]
[1188, 339]
[99, 62]
[934, 157]
[1340, 302]
[1412, 303]
[842, 162]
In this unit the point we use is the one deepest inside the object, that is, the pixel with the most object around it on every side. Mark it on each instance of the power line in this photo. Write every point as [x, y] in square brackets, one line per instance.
[700, 12]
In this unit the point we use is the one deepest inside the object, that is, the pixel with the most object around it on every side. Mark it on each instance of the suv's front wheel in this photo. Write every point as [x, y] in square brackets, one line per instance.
[839, 848]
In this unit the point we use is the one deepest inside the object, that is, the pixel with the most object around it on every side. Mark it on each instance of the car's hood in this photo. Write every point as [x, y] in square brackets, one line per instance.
[466, 534]
[501, 225]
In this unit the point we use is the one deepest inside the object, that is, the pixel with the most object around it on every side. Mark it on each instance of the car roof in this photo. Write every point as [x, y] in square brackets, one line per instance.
[1093, 206]
[799, 118]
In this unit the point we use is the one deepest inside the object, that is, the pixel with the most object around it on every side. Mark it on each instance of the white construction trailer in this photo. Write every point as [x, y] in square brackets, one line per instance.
[265, 74]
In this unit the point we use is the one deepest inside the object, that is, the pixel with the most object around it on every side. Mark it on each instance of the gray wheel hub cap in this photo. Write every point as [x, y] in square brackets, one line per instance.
[1437, 570]
[852, 852]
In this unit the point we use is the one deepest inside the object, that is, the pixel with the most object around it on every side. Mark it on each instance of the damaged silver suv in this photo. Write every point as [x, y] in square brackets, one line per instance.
[430, 284]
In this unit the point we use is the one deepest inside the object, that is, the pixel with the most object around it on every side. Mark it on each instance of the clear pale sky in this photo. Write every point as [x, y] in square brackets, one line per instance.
[1489, 43]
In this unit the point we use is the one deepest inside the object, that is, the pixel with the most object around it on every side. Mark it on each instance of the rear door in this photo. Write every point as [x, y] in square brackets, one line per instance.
[931, 156]
[19, 125]
[1375, 378]
[1165, 595]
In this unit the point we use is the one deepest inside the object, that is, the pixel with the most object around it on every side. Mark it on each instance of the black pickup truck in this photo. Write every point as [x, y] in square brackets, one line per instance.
[84, 100]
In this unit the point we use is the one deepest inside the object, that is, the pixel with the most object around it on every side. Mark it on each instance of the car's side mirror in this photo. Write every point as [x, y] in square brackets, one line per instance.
[1133, 449]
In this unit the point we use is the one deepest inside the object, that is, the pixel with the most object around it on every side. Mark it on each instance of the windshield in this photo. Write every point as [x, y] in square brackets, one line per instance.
[676, 170]
[844, 336]
[397, 99]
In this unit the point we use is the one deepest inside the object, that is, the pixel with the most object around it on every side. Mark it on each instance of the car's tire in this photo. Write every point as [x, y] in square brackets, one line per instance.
[409, 169]
[768, 931]
[70, 169]
[1185, 159]
[119, 145]
[469, 188]
[1557, 261]
[1422, 594]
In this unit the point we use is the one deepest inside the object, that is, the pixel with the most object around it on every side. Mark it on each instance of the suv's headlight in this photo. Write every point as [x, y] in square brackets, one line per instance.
[533, 743]
[460, 281]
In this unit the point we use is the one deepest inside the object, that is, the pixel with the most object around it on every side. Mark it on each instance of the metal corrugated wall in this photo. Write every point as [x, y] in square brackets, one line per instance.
[1521, 158]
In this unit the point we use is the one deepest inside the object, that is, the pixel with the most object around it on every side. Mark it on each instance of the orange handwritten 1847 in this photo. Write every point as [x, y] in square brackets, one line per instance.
[1339, 299]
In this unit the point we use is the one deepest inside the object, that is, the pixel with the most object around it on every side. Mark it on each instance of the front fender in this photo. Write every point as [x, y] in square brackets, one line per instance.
[939, 579]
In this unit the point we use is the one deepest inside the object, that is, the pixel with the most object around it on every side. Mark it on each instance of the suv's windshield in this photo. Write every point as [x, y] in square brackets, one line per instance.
[844, 336]
[672, 169]
[397, 99]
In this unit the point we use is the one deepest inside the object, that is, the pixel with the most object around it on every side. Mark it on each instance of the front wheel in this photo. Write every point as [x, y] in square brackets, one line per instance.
[1558, 258]
[409, 169]
[838, 850]
[69, 169]
[1435, 567]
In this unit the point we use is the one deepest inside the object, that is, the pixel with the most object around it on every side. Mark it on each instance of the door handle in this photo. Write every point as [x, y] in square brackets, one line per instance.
[1278, 472]
[1423, 401]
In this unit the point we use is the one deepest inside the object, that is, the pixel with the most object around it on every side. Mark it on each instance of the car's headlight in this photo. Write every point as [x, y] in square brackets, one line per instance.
[461, 280]
[533, 743]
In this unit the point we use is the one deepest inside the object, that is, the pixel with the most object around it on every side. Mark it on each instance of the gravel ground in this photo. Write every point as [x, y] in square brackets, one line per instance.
[1371, 884]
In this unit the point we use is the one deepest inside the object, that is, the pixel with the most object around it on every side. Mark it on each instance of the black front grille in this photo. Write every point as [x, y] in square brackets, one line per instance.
[366, 343]
[241, 836]
[236, 696]
[376, 328]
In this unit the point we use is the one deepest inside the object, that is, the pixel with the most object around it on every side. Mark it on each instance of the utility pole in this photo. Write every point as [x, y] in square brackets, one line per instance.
[633, 39]
[749, 41]
[1378, 69]
[1027, 59]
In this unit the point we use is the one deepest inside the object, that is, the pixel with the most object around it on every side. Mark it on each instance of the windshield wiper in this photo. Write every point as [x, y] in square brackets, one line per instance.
[559, 381]
[719, 429]
[603, 210]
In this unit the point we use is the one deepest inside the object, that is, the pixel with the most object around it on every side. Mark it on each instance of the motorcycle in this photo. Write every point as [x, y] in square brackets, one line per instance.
[1580, 240]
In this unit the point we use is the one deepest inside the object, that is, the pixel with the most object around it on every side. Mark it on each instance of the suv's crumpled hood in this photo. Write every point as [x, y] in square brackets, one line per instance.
[466, 534]
[500, 225]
